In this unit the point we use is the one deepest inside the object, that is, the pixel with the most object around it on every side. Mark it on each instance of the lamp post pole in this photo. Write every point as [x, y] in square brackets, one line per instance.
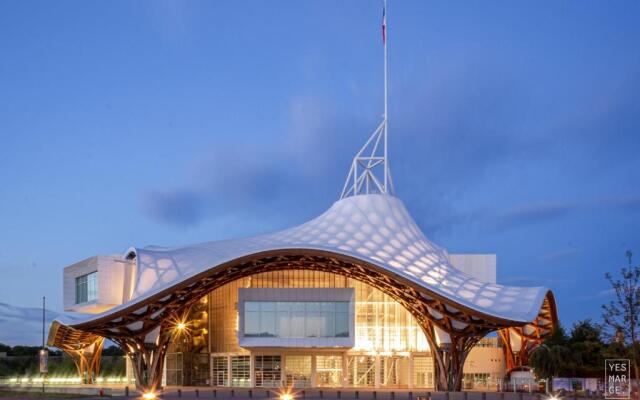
[43, 354]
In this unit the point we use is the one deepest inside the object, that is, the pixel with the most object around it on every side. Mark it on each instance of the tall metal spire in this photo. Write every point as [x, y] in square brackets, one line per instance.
[372, 159]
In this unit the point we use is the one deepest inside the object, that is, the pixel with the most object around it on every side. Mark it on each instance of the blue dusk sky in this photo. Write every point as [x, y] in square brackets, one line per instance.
[514, 129]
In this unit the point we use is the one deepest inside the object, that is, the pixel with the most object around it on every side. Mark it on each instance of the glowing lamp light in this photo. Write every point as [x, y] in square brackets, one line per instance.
[181, 326]
[286, 396]
[149, 396]
[554, 397]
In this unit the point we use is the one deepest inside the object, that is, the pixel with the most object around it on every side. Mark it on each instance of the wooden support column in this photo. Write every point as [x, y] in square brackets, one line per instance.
[507, 350]
[147, 358]
[449, 358]
[87, 360]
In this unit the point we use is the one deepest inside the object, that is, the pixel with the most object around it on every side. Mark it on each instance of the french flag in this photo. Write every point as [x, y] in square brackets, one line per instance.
[384, 23]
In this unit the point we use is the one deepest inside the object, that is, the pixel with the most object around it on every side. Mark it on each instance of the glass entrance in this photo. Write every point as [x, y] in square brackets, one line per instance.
[220, 370]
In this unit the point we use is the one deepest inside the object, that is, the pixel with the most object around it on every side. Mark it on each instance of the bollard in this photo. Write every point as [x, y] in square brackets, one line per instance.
[268, 394]
[428, 395]
[520, 396]
[250, 393]
[484, 395]
[393, 395]
[501, 395]
[179, 392]
[304, 394]
[464, 395]
[357, 394]
[446, 395]
[539, 396]
[215, 393]
[126, 391]
[321, 394]
[410, 395]
[197, 393]
[339, 395]
[375, 395]
[233, 393]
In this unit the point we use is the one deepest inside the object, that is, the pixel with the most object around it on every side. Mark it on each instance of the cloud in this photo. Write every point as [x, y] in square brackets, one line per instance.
[533, 214]
[22, 326]
[300, 171]
[557, 256]
[623, 203]
[602, 294]
[533, 281]
[177, 207]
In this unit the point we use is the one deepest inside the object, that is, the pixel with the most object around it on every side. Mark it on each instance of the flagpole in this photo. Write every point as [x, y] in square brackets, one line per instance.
[386, 166]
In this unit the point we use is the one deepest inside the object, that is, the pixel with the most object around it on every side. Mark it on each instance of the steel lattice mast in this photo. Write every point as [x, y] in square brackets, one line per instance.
[373, 156]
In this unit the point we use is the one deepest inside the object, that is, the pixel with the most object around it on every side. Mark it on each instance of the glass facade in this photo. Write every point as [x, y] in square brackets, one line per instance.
[389, 350]
[381, 325]
[86, 288]
[288, 319]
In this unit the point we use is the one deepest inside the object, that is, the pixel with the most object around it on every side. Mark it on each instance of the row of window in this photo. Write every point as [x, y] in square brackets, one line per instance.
[296, 319]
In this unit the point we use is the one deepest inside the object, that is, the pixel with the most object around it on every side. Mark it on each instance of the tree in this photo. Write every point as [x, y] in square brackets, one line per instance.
[112, 351]
[587, 349]
[553, 357]
[623, 314]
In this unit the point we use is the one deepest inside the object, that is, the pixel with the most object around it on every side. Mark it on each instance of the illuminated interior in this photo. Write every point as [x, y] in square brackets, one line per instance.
[387, 339]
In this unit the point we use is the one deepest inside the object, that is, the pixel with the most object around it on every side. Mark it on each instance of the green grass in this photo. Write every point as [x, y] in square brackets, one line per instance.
[4, 394]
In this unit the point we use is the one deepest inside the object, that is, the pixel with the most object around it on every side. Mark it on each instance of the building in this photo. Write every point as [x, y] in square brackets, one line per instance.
[357, 297]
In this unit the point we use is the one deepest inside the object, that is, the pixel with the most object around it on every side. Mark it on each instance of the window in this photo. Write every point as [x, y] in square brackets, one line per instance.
[471, 381]
[267, 369]
[288, 319]
[240, 371]
[298, 371]
[329, 370]
[87, 288]
[423, 371]
[174, 365]
[361, 370]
